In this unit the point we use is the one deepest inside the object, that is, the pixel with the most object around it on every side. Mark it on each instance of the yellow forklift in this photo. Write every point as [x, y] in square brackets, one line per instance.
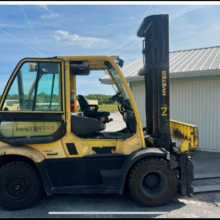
[45, 145]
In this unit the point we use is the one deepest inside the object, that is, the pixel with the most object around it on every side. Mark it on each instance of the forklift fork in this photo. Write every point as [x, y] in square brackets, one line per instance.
[208, 188]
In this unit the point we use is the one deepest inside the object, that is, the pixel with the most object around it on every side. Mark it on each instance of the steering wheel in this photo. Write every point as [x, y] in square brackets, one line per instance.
[121, 110]
[115, 97]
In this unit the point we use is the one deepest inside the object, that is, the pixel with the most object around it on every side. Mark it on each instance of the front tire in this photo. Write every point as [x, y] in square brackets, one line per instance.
[20, 185]
[151, 182]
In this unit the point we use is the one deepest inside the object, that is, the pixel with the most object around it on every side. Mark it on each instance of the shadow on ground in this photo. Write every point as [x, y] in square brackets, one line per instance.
[89, 203]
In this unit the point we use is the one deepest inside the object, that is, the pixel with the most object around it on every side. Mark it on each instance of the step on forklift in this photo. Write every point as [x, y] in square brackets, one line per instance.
[46, 145]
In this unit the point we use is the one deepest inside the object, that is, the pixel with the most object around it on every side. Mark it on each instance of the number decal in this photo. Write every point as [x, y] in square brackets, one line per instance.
[164, 111]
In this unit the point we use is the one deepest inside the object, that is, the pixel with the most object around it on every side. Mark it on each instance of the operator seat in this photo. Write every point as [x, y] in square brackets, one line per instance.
[92, 113]
[82, 126]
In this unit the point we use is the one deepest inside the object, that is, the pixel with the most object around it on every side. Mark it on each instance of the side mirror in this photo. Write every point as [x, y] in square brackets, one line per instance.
[120, 62]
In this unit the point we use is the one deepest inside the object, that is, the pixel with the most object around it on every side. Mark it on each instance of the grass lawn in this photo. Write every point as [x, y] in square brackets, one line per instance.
[108, 108]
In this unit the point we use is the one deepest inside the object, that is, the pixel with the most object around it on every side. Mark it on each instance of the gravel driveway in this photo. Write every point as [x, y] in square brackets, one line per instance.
[205, 205]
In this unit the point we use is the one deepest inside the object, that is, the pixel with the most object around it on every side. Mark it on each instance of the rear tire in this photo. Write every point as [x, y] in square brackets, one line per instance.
[20, 185]
[151, 182]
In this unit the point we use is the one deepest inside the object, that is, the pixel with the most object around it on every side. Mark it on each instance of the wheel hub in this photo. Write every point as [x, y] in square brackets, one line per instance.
[153, 184]
[151, 180]
[16, 188]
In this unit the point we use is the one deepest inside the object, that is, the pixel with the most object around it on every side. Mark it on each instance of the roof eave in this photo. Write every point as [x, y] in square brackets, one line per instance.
[178, 75]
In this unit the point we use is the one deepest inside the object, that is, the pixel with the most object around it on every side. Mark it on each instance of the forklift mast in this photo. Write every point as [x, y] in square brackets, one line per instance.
[155, 30]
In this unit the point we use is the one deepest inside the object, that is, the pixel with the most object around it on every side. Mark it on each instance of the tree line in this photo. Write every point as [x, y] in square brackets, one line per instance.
[102, 99]
[45, 98]
[41, 97]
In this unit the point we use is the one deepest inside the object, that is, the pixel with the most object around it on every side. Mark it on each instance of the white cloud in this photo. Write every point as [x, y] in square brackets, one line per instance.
[131, 18]
[43, 7]
[96, 26]
[76, 40]
[111, 24]
[51, 16]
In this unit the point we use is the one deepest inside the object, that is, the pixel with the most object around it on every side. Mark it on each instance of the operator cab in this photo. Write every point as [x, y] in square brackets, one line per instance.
[36, 103]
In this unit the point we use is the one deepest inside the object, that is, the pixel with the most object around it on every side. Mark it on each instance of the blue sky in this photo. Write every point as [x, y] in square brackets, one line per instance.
[51, 30]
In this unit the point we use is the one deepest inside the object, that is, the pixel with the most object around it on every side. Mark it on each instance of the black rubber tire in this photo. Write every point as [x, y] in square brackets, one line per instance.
[135, 179]
[28, 173]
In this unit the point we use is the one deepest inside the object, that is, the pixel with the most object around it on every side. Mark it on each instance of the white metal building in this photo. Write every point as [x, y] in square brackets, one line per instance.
[194, 91]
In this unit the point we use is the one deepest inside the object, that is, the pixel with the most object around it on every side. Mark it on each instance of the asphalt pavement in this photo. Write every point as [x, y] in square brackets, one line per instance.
[206, 205]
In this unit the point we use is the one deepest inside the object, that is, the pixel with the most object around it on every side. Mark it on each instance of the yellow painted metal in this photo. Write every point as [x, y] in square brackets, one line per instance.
[60, 87]
[25, 151]
[36, 152]
[129, 145]
[75, 94]
[47, 150]
[84, 146]
[95, 62]
[63, 90]
[186, 133]
[67, 98]
[114, 57]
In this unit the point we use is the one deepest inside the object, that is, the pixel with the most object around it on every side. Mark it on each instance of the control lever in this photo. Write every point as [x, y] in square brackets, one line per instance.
[108, 120]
